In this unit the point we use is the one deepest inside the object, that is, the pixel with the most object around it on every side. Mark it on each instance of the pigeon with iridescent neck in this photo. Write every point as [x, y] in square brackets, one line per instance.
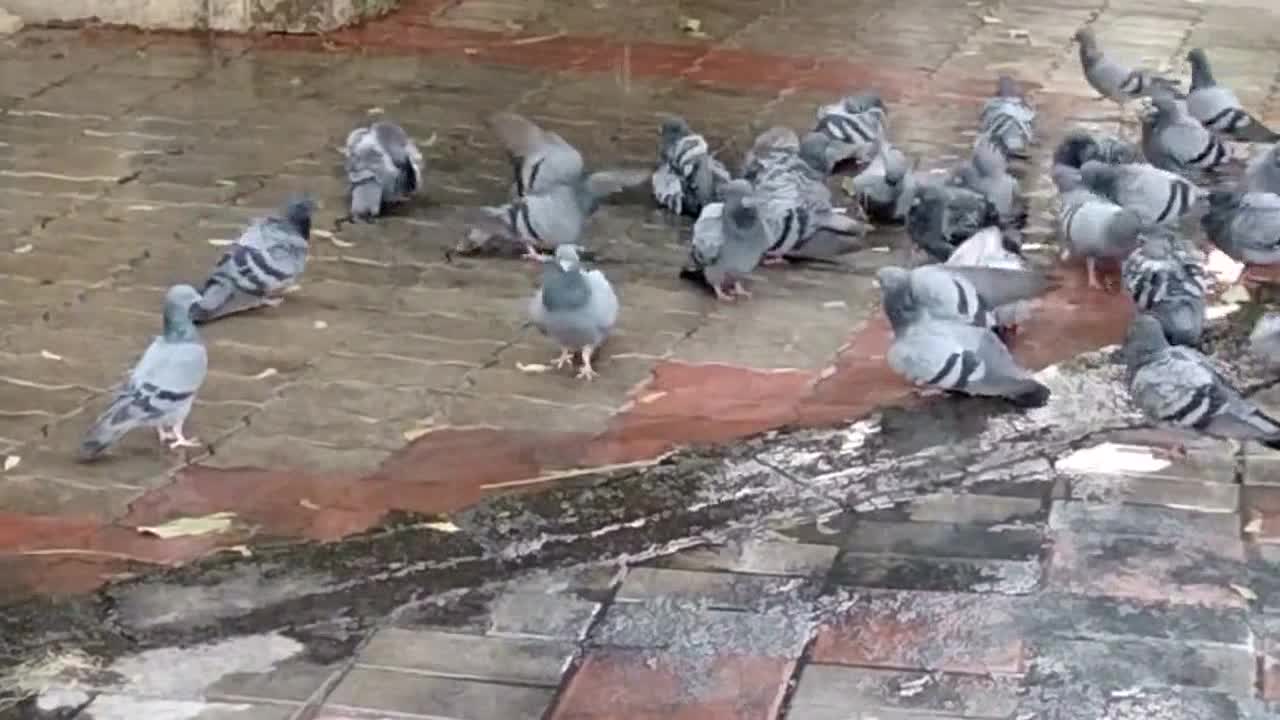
[383, 166]
[1173, 140]
[1166, 278]
[577, 308]
[1008, 119]
[1113, 80]
[688, 177]
[853, 123]
[1217, 107]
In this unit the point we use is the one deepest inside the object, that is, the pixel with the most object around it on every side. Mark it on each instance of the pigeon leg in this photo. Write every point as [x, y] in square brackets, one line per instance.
[721, 295]
[163, 432]
[738, 289]
[272, 301]
[565, 358]
[532, 253]
[179, 441]
[1091, 266]
[586, 372]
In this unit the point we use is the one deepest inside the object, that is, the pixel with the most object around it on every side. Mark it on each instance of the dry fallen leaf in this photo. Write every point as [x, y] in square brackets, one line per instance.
[49, 356]
[414, 433]
[11, 462]
[532, 367]
[308, 504]
[319, 324]
[184, 527]
[991, 20]
[321, 233]
[692, 27]
[1244, 592]
[375, 111]
[1253, 527]
[266, 374]
[445, 526]
[23, 249]
[219, 242]
[341, 243]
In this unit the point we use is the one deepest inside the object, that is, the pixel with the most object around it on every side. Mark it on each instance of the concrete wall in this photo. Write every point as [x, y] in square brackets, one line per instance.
[238, 15]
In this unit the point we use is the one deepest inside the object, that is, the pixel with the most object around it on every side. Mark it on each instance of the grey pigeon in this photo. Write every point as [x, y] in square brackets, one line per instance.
[987, 173]
[578, 309]
[1178, 386]
[1110, 78]
[1092, 225]
[1008, 119]
[773, 146]
[972, 294]
[1218, 108]
[886, 186]
[948, 354]
[1263, 172]
[688, 177]
[853, 123]
[1264, 340]
[1159, 197]
[992, 248]
[160, 389]
[1245, 226]
[383, 166]
[943, 216]
[1173, 140]
[729, 241]
[261, 266]
[1165, 278]
[1080, 146]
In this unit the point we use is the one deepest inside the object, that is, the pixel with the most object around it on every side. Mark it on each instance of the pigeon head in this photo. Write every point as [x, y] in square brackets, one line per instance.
[817, 152]
[298, 212]
[895, 290]
[1089, 52]
[1076, 149]
[1007, 87]
[1144, 340]
[1201, 74]
[673, 128]
[178, 302]
[567, 257]
[1165, 104]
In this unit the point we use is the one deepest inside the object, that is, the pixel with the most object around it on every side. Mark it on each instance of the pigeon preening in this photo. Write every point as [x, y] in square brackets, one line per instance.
[1245, 226]
[1173, 140]
[853, 123]
[688, 177]
[1263, 172]
[949, 354]
[1165, 278]
[987, 173]
[576, 308]
[1113, 80]
[1264, 340]
[1159, 197]
[1008, 119]
[1176, 385]
[773, 146]
[997, 250]
[887, 185]
[1092, 225]
[261, 266]
[1217, 107]
[729, 241]
[383, 166]
[555, 195]
[942, 216]
[1079, 146]
[973, 294]
[161, 388]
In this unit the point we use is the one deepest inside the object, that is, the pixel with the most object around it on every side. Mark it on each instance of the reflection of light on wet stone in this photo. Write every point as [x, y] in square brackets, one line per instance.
[1113, 458]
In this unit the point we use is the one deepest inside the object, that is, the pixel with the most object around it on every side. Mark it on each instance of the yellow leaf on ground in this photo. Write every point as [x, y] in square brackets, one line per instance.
[11, 462]
[184, 527]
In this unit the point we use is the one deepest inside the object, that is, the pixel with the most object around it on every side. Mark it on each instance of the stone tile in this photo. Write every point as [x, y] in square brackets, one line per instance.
[974, 509]
[531, 662]
[764, 557]
[937, 574]
[1269, 665]
[716, 589]
[943, 540]
[1103, 618]
[1213, 497]
[688, 629]
[642, 686]
[1195, 526]
[293, 680]
[1207, 459]
[1261, 512]
[125, 706]
[387, 691]
[541, 615]
[1128, 663]
[978, 634]
[829, 692]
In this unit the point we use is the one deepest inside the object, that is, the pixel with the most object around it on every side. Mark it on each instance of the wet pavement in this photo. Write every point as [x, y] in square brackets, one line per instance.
[381, 409]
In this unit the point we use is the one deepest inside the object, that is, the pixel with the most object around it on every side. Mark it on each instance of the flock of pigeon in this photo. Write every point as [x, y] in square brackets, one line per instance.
[951, 320]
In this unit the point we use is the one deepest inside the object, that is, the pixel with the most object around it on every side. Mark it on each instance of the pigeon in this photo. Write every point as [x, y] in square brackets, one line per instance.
[991, 248]
[729, 241]
[1165, 278]
[1176, 385]
[687, 177]
[1263, 172]
[887, 185]
[160, 389]
[1080, 146]
[973, 294]
[1091, 224]
[775, 145]
[1264, 341]
[383, 166]
[1245, 226]
[261, 266]
[853, 123]
[1111, 79]
[987, 173]
[577, 309]
[943, 216]
[554, 193]
[1173, 140]
[1008, 119]
[1218, 109]
[948, 354]
[1159, 197]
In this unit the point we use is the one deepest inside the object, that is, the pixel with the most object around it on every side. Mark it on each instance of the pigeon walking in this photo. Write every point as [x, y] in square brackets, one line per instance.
[1159, 197]
[1092, 225]
[729, 241]
[1176, 385]
[1079, 146]
[1110, 78]
[1245, 226]
[1173, 140]
[853, 123]
[1263, 172]
[261, 266]
[1165, 278]
[687, 177]
[1217, 107]
[987, 173]
[161, 388]
[948, 354]
[1008, 119]
[578, 309]
[383, 166]
[992, 248]
[943, 216]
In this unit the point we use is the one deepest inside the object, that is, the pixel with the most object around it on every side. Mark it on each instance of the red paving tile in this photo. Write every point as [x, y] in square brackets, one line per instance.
[633, 685]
